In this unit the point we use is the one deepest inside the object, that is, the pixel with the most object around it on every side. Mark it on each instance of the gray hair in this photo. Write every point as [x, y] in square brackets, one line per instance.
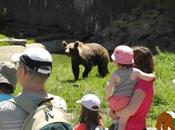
[35, 75]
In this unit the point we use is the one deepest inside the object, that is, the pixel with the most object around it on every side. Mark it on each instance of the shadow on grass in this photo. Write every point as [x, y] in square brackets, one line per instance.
[68, 81]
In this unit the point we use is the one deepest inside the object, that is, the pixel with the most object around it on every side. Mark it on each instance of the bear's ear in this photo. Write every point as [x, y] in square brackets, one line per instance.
[76, 44]
[64, 43]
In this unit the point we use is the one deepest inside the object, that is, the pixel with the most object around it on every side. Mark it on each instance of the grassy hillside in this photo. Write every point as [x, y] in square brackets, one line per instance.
[61, 83]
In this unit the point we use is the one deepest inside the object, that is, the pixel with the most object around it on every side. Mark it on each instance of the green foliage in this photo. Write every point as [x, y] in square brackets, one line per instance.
[3, 43]
[2, 36]
[30, 41]
[61, 83]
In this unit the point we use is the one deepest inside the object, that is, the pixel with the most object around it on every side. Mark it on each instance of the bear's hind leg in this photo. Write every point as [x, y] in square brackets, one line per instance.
[86, 71]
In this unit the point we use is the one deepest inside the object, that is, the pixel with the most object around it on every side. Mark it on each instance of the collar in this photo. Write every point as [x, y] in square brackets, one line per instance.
[28, 101]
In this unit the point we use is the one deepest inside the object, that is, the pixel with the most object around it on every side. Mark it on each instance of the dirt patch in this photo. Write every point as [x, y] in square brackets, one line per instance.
[8, 51]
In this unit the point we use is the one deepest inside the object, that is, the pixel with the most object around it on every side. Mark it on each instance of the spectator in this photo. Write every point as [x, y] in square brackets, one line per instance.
[142, 97]
[35, 67]
[122, 82]
[7, 80]
[90, 117]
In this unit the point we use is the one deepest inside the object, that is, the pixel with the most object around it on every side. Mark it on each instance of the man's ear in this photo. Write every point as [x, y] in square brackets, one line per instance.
[64, 43]
[76, 44]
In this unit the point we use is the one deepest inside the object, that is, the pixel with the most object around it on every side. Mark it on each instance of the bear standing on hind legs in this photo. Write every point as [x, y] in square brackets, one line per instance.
[88, 55]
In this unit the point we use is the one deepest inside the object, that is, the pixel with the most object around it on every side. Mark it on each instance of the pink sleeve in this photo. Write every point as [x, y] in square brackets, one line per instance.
[143, 85]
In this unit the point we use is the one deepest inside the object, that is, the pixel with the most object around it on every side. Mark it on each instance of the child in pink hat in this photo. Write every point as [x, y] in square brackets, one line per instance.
[121, 84]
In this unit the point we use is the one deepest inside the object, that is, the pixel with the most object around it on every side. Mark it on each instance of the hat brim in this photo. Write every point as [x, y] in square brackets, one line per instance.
[78, 101]
[113, 57]
[99, 110]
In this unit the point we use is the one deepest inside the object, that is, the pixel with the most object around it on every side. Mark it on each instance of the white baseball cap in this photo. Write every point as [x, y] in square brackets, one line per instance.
[90, 101]
[36, 58]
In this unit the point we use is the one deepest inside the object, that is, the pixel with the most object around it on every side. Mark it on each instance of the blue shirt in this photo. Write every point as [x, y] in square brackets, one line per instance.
[4, 97]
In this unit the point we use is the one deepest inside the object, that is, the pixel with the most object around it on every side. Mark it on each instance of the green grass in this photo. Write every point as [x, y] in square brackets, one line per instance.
[2, 36]
[3, 43]
[61, 83]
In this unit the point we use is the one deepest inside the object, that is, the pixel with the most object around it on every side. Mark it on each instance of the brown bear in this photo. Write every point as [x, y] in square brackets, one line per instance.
[88, 55]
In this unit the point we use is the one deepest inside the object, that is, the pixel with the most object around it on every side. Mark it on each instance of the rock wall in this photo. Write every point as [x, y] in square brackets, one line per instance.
[151, 27]
[110, 22]
[71, 15]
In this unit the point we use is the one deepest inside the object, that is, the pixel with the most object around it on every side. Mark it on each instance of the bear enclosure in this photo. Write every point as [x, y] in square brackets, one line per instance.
[108, 22]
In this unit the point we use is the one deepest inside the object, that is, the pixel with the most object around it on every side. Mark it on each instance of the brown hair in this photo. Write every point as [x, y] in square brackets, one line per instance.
[33, 74]
[6, 88]
[143, 59]
[126, 66]
[92, 119]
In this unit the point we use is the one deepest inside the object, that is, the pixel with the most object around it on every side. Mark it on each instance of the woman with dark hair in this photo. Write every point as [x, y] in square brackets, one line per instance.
[90, 117]
[142, 98]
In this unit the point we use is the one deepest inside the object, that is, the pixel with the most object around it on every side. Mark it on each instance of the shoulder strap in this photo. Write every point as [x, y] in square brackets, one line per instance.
[43, 115]
[13, 101]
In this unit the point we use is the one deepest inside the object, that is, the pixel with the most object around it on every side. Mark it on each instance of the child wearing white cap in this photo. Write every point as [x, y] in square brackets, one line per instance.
[7, 80]
[120, 87]
[90, 117]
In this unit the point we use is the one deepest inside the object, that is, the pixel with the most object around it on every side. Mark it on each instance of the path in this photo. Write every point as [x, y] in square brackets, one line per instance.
[7, 51]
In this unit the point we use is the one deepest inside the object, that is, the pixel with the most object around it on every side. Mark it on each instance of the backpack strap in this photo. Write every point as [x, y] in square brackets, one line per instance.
[13, 101]
[21, 103]
[46, 100]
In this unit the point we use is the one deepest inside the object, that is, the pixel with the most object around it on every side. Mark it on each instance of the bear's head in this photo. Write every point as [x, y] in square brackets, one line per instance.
[71, 49]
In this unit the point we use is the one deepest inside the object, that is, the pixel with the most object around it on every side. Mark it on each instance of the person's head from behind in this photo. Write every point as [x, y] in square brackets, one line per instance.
[123, 56]
[90, 115]
[7, 77]
[35, 66]
[143, 59]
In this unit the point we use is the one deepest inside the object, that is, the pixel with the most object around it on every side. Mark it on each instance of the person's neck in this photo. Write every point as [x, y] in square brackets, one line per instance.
[39, 93]
[33, 88]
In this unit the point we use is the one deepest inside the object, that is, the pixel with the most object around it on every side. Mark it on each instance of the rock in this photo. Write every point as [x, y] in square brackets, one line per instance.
[14, 41]
[141, 26]
[35, 44]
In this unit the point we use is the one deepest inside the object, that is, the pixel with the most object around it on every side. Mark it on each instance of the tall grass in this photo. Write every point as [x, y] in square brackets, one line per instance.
[61, 83]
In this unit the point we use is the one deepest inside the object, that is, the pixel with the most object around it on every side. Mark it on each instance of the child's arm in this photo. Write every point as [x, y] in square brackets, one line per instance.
[142, 75]
[122, 123]
[111, 84]
[109, 88]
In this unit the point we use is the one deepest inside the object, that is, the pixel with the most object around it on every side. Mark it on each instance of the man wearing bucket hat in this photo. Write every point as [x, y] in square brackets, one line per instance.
[7, 80]
[121, 84]
[90, 117]
[34, 68]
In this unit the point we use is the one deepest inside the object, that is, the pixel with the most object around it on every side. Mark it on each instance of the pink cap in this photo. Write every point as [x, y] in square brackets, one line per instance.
[123, 55]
